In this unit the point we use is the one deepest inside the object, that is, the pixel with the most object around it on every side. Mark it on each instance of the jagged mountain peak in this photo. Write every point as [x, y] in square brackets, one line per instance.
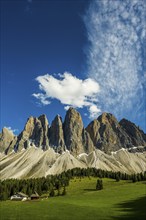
[73, 128]
[104, 133]
[7, 140]
[136, 135]
[35, 132]
[126, 123]
[42, 150]
[56, 134]
[58, 118]
[107, 118]
[6, 131]
[43, 119]
[72, 113]
[71, 109]
[109, 135]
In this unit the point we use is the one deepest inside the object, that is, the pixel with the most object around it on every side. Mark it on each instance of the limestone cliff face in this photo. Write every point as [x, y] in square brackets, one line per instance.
[7, 140]
[11, 146]
[104, 133]
[76, 138]
[137, 136]
[44, 128]
[107, 134]
[56, 135]
[93, 130]
[87, 142]
[35, 132]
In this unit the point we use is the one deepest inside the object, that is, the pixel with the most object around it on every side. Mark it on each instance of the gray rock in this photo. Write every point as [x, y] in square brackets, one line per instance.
[107, 134]
[45, 126]
[76, 139]
[104, 133]
[136, 135]
[87, 142]
[7, 140]
[56, 135]
[35, 132]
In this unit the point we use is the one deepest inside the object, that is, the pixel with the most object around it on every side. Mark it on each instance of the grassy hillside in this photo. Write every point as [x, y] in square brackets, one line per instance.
[118, 200]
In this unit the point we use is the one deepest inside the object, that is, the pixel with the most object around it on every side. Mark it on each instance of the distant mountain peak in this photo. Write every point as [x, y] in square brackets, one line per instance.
[51, 149]
[104, 133]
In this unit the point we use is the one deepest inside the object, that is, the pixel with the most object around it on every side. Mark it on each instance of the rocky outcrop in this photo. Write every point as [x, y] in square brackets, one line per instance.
[56, 135]
[7, 140]
[11, 146]
[35, 132]
[107, 134]
[76, 138]
[136, 135]
[104, 133]
[87, 142]
[121, 146]
[45, 126]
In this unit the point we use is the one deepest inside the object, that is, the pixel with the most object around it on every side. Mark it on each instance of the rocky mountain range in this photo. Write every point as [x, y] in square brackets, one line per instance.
[67, 144]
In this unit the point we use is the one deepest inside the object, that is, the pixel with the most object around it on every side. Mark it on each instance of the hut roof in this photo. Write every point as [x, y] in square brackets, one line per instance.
[22, 194]
[35, 194]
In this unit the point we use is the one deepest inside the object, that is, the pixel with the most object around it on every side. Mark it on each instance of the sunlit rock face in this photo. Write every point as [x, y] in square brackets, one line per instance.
[76, 138]
[41, 150]
[35, 132]
[104, 133]
[109, 135]
[7, 140]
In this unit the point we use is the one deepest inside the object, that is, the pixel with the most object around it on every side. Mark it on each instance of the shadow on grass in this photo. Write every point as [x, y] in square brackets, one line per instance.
[134, 209]
[90, 190]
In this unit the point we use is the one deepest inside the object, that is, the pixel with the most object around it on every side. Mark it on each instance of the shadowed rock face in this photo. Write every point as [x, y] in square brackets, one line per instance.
[87, 142]
[136, 135]
[44, 123]
[56, 135]
[35, 132]
[76, 138]
[104, 133]
[109, 135]
[7, 140]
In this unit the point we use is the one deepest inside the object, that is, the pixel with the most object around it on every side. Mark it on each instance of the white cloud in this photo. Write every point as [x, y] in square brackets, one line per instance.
[94, 111]
[70, 91]
[116, 31]
[42, 98]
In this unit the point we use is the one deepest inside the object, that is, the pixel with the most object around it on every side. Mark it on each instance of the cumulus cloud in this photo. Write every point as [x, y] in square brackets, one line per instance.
[94, 111]
[42, 98]
[116, 32]
[70, 91]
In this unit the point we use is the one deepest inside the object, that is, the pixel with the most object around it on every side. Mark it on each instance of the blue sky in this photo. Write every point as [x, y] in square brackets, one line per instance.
[56, 54]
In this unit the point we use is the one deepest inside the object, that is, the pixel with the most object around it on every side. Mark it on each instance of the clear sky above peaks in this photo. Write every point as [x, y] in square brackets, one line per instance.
[61, 53]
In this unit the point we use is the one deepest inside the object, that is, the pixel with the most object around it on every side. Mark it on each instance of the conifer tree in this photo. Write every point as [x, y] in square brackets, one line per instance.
[117, 178]
[99, 184]
[64, 191]
[52, 193]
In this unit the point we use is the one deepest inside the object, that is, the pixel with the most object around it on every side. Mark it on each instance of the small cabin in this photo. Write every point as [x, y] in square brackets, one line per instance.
[19, 197]
[35, 196]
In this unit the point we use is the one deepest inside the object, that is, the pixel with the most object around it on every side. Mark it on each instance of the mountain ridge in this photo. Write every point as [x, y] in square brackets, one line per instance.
[104, 133]
[42, 149]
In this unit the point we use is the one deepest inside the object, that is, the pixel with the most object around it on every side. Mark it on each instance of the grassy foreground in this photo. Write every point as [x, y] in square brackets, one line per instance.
[118, 200]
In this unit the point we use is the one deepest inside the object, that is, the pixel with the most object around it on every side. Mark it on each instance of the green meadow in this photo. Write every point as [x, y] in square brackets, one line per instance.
[118, 200]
